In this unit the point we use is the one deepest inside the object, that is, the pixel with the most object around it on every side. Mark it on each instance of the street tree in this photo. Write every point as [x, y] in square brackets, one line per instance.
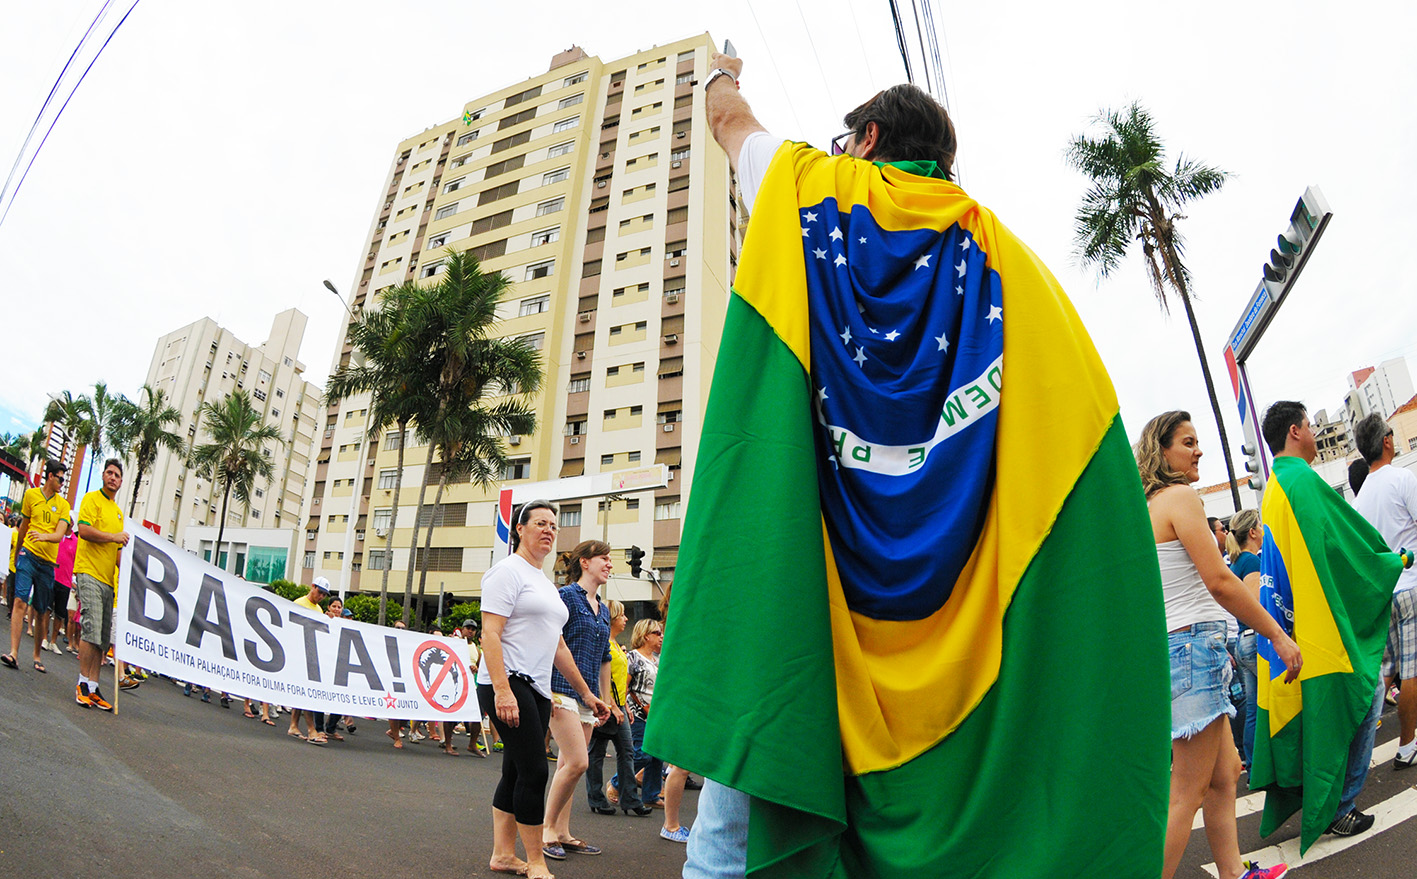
[71, 414]
[141, 431]
[101, 411]
[237, 454]
[1136, 197]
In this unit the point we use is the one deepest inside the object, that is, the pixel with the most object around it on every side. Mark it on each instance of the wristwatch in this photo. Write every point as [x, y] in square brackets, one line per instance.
[718, 71]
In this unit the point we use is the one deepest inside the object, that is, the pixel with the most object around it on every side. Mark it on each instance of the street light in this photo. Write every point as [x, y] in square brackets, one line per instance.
[331, 288]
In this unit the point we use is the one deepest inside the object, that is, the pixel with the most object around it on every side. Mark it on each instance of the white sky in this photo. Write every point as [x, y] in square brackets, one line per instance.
[224, 160]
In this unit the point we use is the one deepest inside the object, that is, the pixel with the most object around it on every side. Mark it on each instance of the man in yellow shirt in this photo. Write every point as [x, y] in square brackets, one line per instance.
[101, 539]
[44, 520]
[320, 589]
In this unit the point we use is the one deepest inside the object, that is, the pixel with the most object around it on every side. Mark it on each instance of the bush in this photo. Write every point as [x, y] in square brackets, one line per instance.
[287, 590]
[456, 614]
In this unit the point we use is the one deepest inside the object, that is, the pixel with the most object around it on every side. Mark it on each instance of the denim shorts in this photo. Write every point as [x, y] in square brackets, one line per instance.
[1200, 678]
[34, 581]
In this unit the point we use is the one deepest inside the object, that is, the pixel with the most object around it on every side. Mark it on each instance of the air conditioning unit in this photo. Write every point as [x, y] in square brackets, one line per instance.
[680, 134]
[671, 476]
[381, 532]
[672, 298]
[585, 317]
[669, 428]
[514, 440]
[600, 184]
[575, 440]
[675, 164]
[580, 355]
[674, 262]
[671, 338]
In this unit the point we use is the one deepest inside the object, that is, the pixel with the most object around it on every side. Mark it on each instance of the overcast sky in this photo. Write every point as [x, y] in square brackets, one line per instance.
[223, 160]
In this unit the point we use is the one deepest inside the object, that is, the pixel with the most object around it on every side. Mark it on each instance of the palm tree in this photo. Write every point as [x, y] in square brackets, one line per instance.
[1134, 197]
[390, 365]
[72, 417]
[459, 313]
[16, 444]
[236, 456]
[37, 442]
[101, 413]
[141, 433]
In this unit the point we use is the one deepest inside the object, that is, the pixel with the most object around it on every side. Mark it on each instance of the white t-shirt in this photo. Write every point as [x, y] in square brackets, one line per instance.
[535, 613]
[1388, 500]
[753, 160]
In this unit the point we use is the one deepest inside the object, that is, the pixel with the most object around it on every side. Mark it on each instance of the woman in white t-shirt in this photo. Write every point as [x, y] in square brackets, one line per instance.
[522, 616]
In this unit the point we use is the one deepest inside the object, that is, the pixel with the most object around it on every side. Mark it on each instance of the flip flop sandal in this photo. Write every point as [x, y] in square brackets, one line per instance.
[248, 714]
[296, 735]
[320, 742]
[39, 667]
[268, 722]
[579, 847]
[336, 736]
[9, 661]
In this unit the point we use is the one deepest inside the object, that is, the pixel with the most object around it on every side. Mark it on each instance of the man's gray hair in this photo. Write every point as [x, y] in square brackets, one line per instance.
[1368, 433]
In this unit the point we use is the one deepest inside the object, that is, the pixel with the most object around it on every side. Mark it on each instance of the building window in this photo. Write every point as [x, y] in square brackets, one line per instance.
[279, 393]
[668, 509]
[446, 210]
[634, 502]
[636, 410]
[575, 78]
[536, 341]
[467, 138]
[683, 78]
[607, 460]
[570, 101]
[382, 518]
[561, 149]
[259, 394]
[516, 468]
[535, 305]
[439, 240]
[578, 385]
[565, 124]
[550, 207]
[455, 185]
[432, 269]
[570, 518]
[633, 457]
[575, 428]
[676, 249]
[309, 561]
[556, 176]
[376, 560]
[545, 236]
[387, 478]
[391, 441]
[540, 269]
[608, 414]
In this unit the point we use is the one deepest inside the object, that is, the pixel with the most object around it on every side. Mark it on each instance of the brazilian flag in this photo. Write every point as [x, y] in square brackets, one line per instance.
[1327, 577]
[917, 615]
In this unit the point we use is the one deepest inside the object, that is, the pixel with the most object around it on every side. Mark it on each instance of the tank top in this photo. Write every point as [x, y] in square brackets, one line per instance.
[1187, 599]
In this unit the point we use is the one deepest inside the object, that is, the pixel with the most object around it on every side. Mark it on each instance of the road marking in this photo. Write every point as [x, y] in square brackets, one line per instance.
[1252, 803]
[1389, 813]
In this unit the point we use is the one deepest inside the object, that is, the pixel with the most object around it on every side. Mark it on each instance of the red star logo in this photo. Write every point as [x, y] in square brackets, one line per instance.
[389, 700]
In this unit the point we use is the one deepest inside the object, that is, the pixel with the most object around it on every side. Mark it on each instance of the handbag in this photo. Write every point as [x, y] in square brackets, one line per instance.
[611, 727]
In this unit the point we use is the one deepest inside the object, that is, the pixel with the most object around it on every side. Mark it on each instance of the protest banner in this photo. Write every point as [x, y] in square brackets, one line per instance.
[181, 617]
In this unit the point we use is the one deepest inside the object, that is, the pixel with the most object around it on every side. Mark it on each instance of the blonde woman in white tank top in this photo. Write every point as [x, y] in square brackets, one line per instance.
[1199, 588]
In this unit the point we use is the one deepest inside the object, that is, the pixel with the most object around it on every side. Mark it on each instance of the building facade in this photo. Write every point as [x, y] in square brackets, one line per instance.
[203, 363]
[1382, 389]
[597, 189]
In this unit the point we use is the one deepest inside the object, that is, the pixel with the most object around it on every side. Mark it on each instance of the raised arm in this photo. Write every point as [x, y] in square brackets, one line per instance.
[729, 117]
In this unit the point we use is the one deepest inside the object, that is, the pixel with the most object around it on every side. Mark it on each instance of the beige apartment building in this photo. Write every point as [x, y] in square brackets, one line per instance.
[597, 189]
[202, 363]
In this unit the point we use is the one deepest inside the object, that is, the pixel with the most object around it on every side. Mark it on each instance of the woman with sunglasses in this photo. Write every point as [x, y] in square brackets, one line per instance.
[522, 616]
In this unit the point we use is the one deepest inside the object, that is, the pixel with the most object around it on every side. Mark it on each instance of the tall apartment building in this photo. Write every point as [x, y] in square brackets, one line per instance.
[1382, 389]
[597, 189]
[202, 363]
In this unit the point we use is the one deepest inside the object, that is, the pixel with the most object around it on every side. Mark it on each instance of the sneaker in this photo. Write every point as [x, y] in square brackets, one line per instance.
[1391, 697]
[1253, 871]
[1352, 824]
[1401, 762]
[43, 644]
[129, 683]
[98, 701]
[497, 745]
[81, 695]
[55, 648]
[692, 783]
[682, 835]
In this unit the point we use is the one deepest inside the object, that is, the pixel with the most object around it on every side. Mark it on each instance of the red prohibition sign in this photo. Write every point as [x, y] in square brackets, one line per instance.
[432, 687]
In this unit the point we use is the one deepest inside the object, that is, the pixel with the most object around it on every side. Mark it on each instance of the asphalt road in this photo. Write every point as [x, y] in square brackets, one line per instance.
[175, 787]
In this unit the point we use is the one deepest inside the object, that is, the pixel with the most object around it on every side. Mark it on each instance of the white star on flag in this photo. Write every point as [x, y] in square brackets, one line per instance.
[846, 336]
[810, 217]
[923, 262]
[805, 232]
[964, 244]
[960, 268]
[819, 253]
[892, 336]
[821, 394]
[860, 357]
[873, 330]
[861, 240]
[836, 233]
[995, 313]
[959, 290]
[944, 342]
[840, 259]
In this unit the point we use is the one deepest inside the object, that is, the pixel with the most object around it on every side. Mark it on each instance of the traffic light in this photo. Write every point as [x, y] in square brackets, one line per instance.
[1252, 464]
[636, 557]
[1294, 245]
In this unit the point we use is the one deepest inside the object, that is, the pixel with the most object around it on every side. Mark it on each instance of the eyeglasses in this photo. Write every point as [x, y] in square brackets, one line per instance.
[839, 143]
[656, 631]
[543, 524]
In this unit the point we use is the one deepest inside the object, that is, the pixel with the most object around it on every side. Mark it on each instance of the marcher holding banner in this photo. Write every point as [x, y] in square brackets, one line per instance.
[101, 539]
[522, 616]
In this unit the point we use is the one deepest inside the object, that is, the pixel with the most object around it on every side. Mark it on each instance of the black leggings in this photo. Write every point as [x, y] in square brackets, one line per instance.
[522, 790]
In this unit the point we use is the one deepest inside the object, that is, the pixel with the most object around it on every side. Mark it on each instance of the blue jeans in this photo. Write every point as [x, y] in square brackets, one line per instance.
[624, 770]
[1360, 754]
[1249, 681]
[653, 766]
[718, 844]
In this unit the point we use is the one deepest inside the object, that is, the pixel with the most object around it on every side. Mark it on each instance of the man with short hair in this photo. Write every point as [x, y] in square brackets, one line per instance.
[1327, 577]
[101, 540]
[44, 520]
[1219, 529]
[1389, 501]
[314, 720]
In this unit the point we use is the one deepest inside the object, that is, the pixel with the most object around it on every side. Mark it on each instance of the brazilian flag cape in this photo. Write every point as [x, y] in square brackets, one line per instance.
[917, 615]
[1327, 577]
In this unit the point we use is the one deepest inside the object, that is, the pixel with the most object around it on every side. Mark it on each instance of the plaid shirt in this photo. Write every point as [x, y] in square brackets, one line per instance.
[588, 637]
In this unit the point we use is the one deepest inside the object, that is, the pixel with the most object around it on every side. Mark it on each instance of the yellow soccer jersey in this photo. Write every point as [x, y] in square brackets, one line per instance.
[45, 518]
[99, 560]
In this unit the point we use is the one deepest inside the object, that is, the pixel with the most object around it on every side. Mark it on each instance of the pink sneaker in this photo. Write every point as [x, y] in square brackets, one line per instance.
[1254, 871]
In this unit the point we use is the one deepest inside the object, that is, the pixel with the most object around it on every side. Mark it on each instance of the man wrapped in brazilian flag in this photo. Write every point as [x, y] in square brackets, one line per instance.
[917, 625]
[1327, 577]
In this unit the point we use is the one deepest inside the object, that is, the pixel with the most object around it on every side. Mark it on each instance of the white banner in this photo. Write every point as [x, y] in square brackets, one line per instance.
[179, 616]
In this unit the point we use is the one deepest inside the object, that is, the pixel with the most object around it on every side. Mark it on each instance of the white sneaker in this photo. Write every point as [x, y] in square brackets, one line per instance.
[56, 648]
[43, 644]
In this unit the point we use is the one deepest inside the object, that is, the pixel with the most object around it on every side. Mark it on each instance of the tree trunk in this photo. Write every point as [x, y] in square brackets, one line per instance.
[1214, 403]
[413, 540]
[137, 483]
[389, 539]
[221, 527]
[428, 538]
